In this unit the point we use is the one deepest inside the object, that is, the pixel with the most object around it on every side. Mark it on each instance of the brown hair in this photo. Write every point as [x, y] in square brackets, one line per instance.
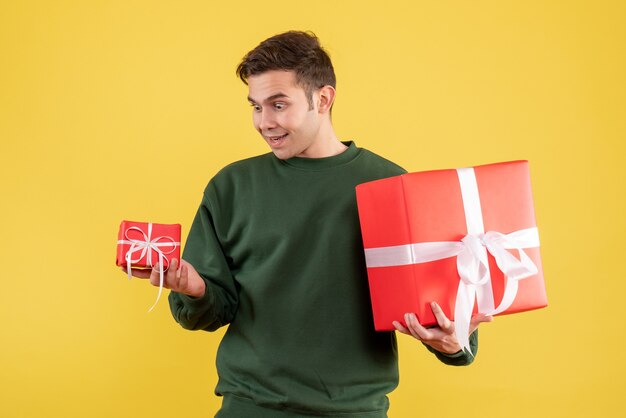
[296, 51]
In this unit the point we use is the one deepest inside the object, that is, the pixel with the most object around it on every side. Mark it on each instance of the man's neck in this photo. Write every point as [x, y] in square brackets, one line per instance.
[327, 146]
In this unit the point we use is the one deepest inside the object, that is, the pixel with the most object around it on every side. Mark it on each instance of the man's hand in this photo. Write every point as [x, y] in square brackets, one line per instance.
[442, 337]
[181, 278]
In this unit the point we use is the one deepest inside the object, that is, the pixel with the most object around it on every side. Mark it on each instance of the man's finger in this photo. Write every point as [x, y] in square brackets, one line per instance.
[139, 273]
[183, 277]
[155, 275]
[478, 319]
[401, 328]
[172, 274]
[442, 320]
[173, 265]
[415, 328]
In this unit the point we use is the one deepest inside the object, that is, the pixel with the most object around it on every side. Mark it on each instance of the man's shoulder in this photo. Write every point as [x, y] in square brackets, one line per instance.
[247, 163]
[245, 166]
[239, 172]
[379, 163]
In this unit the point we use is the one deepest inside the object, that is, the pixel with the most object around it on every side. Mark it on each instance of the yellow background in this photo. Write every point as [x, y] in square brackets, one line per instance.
[114, 110]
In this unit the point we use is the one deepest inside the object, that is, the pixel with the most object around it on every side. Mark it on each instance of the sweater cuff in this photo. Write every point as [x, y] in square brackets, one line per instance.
[458, 354]
[461, 357]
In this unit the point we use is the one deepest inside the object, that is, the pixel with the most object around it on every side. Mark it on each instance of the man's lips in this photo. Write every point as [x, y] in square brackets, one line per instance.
[276, 139]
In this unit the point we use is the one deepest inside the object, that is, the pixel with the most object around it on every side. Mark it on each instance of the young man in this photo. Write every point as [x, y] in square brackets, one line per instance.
[275, 253]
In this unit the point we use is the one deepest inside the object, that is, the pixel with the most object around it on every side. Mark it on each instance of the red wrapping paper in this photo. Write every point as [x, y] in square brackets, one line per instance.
[428, 207]
[133, 235]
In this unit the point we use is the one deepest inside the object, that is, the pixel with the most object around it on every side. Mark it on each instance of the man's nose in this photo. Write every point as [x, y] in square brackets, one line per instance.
[266, 120]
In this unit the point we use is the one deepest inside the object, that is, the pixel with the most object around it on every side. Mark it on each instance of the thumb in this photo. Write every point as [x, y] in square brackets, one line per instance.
[478, 319]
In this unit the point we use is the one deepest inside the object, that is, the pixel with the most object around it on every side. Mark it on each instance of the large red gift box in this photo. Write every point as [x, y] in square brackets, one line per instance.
[432, 236]
[144, 244]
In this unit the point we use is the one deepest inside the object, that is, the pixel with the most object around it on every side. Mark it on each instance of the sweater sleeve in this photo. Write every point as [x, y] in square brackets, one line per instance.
[461, 358]
[203, 251]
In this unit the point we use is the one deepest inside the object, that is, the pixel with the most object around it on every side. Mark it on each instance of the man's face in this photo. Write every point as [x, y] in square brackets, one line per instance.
[282, 114]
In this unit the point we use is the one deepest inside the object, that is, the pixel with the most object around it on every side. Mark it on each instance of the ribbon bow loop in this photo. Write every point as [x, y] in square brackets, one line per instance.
[498, 243]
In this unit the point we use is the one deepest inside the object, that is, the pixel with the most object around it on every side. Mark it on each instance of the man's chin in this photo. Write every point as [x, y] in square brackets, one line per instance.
[281, 154]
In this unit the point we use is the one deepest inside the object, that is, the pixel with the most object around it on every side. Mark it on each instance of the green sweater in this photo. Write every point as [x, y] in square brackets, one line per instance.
[278, 244]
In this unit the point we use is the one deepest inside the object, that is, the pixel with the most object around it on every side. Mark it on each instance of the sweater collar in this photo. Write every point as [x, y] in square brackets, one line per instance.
[315, 164]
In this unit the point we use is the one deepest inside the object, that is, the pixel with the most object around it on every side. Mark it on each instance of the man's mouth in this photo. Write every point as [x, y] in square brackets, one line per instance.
[276, 139]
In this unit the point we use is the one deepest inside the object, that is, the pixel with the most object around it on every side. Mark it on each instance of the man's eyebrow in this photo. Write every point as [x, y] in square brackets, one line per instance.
[269, 99]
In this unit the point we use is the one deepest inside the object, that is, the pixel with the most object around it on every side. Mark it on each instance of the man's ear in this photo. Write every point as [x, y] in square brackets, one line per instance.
[326, 99]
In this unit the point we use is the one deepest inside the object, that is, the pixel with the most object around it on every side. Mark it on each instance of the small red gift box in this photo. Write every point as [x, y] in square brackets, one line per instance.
[143, 244]
[454, 237]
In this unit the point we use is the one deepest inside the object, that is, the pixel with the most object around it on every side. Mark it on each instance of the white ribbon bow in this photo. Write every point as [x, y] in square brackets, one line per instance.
[144, 248]
[472, 263]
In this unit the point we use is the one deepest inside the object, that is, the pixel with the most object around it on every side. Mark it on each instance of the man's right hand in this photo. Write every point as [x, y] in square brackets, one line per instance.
[181, 278]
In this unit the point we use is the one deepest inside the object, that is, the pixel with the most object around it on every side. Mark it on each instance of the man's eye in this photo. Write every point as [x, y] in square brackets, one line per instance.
[255, 107]
[279, 106]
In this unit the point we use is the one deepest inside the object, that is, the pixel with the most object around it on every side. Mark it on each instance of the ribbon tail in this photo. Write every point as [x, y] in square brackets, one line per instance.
[510, 291]
[528, 263]
[463, 313]
[161, 273]
[514, 271]
[129, 265]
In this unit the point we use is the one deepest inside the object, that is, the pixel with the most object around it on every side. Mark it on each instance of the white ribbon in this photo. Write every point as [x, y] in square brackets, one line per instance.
[472, 263]
[145, 248]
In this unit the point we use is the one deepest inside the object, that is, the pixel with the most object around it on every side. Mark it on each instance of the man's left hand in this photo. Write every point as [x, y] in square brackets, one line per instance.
[441, 337]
